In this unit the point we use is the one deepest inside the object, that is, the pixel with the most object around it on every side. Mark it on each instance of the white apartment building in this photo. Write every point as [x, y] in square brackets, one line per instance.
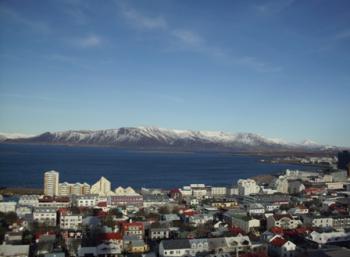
[216, 191]
[45, 215]
[66, 189]
[51, 181]
[86, 201]
[8, 206]
[129, 191]
[247, 187]
[29, 200]
[70, 221]
[102, 187]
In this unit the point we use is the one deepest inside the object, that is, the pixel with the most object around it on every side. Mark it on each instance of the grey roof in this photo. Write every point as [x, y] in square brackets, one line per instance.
[176, 244]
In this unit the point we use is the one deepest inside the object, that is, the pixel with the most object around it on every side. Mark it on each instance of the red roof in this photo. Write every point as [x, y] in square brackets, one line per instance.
[278, 241]
[126, 225]
[236, 230]
[277, 230]
[112, 236]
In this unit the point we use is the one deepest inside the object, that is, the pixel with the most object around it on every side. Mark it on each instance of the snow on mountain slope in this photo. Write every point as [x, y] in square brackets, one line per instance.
[165, 138]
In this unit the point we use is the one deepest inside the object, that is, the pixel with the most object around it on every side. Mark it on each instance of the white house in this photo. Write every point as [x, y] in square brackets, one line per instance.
[285, 221]
[278, 246]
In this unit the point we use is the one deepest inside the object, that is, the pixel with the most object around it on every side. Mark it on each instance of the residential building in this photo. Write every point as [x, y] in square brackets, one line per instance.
[29, 200]
[23, 211]
[51, 182]
[102, 187]
[247, 187]
[284, 221]
[255, 209]
[86, 201]
[45, 215]
[194, 247]
[280, 247]
[125, 200]
[133, 229]
[322, 238]
[341, 221]
[218, 191]
[54, 202]
[70, 221]
[159, 233]
[66, 189]
[241, 221]
[317, 221]
[8, 206]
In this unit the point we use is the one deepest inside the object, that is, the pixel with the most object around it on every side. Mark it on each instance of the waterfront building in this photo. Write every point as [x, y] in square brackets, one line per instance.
[102, 187]
[218, 191]
[247, 187]
[120, 191]
[51, 182]
[66, 189]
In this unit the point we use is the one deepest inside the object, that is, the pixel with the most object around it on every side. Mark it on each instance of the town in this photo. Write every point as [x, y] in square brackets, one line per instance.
[298, 213]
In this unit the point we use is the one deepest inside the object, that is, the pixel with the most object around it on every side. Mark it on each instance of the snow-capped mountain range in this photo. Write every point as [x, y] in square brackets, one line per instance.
[159, 138]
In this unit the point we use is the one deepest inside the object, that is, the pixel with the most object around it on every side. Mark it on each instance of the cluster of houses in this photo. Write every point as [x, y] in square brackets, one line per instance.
[294, 214]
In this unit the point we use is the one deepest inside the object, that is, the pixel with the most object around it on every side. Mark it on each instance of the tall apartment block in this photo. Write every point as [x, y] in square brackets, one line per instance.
[51, 181]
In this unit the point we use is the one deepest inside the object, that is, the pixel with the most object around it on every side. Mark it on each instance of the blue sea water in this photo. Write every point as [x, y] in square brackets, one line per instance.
[24, 165]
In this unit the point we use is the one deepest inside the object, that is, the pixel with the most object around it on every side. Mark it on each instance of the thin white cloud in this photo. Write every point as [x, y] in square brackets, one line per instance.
[87, 41]
[190, 40]
[13, 16]
[141, 21]
[188, 37]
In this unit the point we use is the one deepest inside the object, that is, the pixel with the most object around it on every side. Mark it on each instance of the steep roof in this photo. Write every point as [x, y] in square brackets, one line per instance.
[278, 241]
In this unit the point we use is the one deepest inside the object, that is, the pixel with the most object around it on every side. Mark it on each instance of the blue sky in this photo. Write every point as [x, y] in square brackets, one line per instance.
[276, 68]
